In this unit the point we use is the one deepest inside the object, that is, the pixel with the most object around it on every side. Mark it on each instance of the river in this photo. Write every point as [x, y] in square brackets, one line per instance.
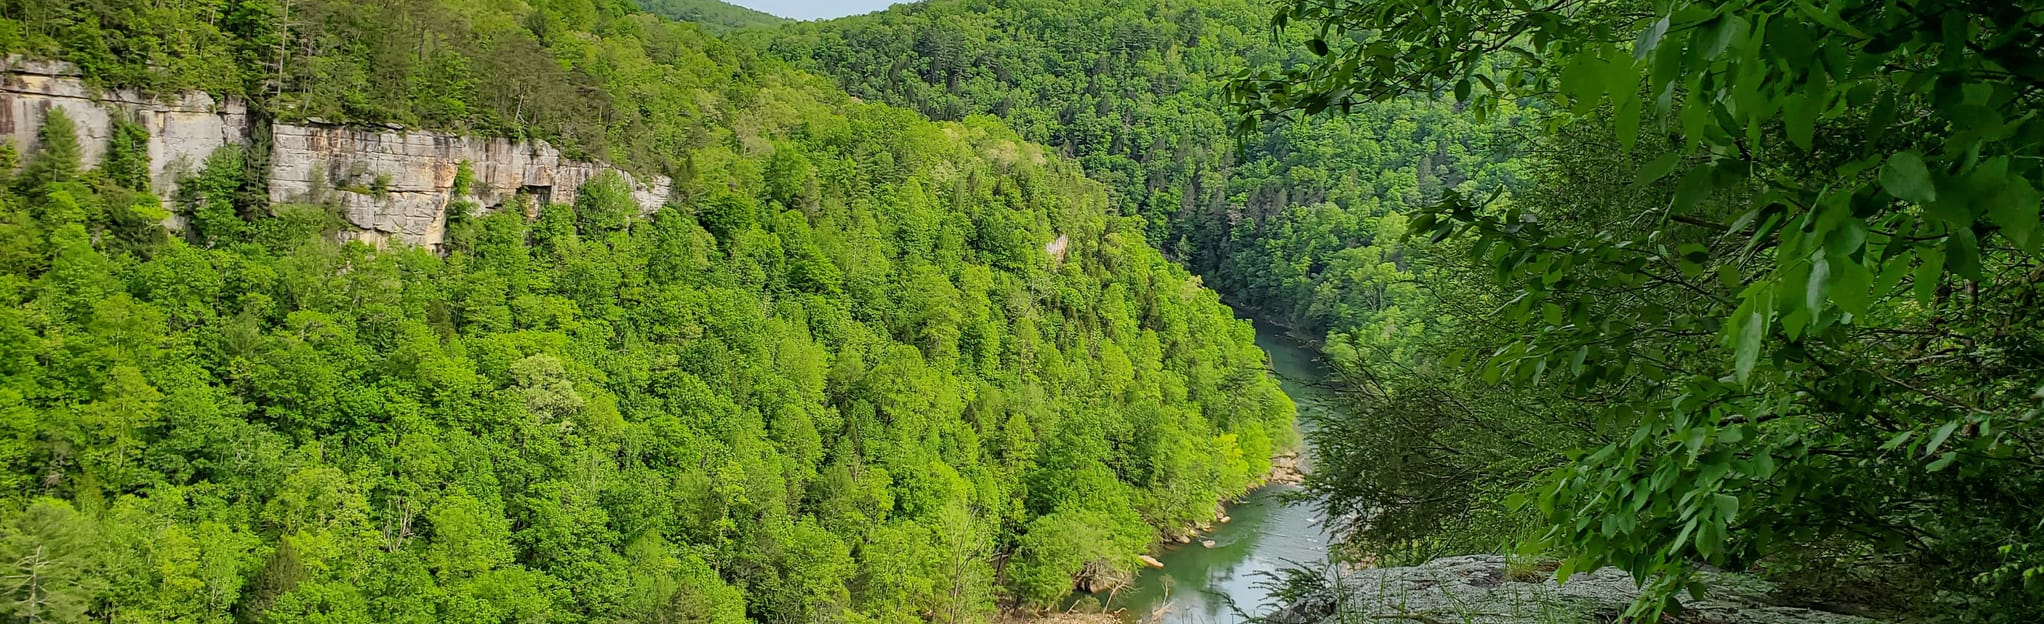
[1197, 584]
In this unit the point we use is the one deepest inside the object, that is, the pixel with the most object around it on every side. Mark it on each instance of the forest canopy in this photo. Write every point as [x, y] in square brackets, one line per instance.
[712, 15]
[838, 377]
[1299, 222]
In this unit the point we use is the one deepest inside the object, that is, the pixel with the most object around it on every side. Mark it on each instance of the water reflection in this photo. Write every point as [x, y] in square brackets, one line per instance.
[1217, 585]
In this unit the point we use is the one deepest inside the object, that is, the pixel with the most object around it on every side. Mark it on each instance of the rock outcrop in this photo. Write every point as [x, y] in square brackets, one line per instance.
[183, 130]
[391, 185]
[395, 185]
[1478, 589]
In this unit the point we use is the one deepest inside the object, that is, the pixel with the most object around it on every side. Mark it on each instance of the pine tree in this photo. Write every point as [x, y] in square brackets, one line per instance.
[57, 153]
[127, 156]
[46, 564]
[9, 159]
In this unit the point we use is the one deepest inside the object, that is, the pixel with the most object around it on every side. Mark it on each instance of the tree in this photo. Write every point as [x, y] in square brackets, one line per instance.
[48, 563]
[127, 155]
[57, 155]
[1773, 245]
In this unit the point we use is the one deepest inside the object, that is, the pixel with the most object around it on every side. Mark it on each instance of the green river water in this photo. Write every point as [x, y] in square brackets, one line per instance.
[1197, 584]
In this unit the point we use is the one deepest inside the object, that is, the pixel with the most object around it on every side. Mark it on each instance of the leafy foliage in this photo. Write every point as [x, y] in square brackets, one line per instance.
[1784, 257]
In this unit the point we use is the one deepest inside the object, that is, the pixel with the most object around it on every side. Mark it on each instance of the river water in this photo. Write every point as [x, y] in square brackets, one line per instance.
[1201, 585]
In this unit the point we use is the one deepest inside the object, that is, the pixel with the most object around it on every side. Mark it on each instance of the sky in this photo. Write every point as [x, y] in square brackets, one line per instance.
[814, 9]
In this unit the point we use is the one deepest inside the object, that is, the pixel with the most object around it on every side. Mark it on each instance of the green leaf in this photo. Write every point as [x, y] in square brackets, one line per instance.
[1882, 116]
[1650, 39]
[1906, 177]
[1937, 438]
[1719, 34]
[1791, 287]
[1851, 286]
[1799, 118]
[1582, 80]
[1682, 539]
[1929, 275]
[1819, 284]
[2015, 210]
[1710, 539]
[1728, 506]
[1752, 328]
[1625, 120]
[1962, 252]
[1694, 186]
[1657, 168]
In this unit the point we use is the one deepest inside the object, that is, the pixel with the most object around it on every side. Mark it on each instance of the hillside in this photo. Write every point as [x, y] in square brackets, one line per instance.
[836, 376]
[1669, 287]
[1299, 221]
[712, 15]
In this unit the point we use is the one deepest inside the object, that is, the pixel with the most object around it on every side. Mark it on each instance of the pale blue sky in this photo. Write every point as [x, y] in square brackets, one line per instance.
[815, 9]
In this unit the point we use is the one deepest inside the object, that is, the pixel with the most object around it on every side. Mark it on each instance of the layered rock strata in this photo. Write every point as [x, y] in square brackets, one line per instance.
[391, 185]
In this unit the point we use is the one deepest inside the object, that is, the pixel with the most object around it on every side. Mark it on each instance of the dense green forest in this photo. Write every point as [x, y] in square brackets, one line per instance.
[841, 376]
[1647, 284]
[924, 331]
[714, 16]
[1300, 221]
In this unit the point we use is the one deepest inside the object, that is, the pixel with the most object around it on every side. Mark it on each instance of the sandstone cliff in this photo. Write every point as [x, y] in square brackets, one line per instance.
[183, 131]
[396, 185]
[390, 185]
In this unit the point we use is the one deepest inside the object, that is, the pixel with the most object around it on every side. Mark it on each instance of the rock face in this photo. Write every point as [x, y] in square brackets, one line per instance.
[391, 185]
[398, 185]
[1477, 589]
[183, 130]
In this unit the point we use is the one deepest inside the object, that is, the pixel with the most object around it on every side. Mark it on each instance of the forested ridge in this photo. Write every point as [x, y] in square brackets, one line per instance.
[712, 15]
[839, 377]
[1656, 285]
[1300, 221]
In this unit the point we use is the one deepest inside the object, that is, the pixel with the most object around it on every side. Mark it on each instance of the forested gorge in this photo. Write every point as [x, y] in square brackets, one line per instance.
[924, 331]
[1655, 285]
[1300, 221]
[842, 376]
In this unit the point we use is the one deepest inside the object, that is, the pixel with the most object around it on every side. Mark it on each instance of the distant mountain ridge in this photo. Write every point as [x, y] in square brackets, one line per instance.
[717, 17]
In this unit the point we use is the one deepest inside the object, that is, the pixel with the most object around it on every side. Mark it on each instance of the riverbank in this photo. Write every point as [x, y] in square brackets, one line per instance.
[1485, 589]
[1215, 570]
[1060, 618]
[1263, 316]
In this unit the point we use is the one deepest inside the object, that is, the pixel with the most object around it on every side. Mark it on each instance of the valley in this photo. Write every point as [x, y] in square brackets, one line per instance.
[665, 311]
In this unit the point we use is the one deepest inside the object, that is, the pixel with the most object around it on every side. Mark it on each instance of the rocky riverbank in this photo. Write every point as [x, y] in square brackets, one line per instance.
[1061, 618]
[1482, 589]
